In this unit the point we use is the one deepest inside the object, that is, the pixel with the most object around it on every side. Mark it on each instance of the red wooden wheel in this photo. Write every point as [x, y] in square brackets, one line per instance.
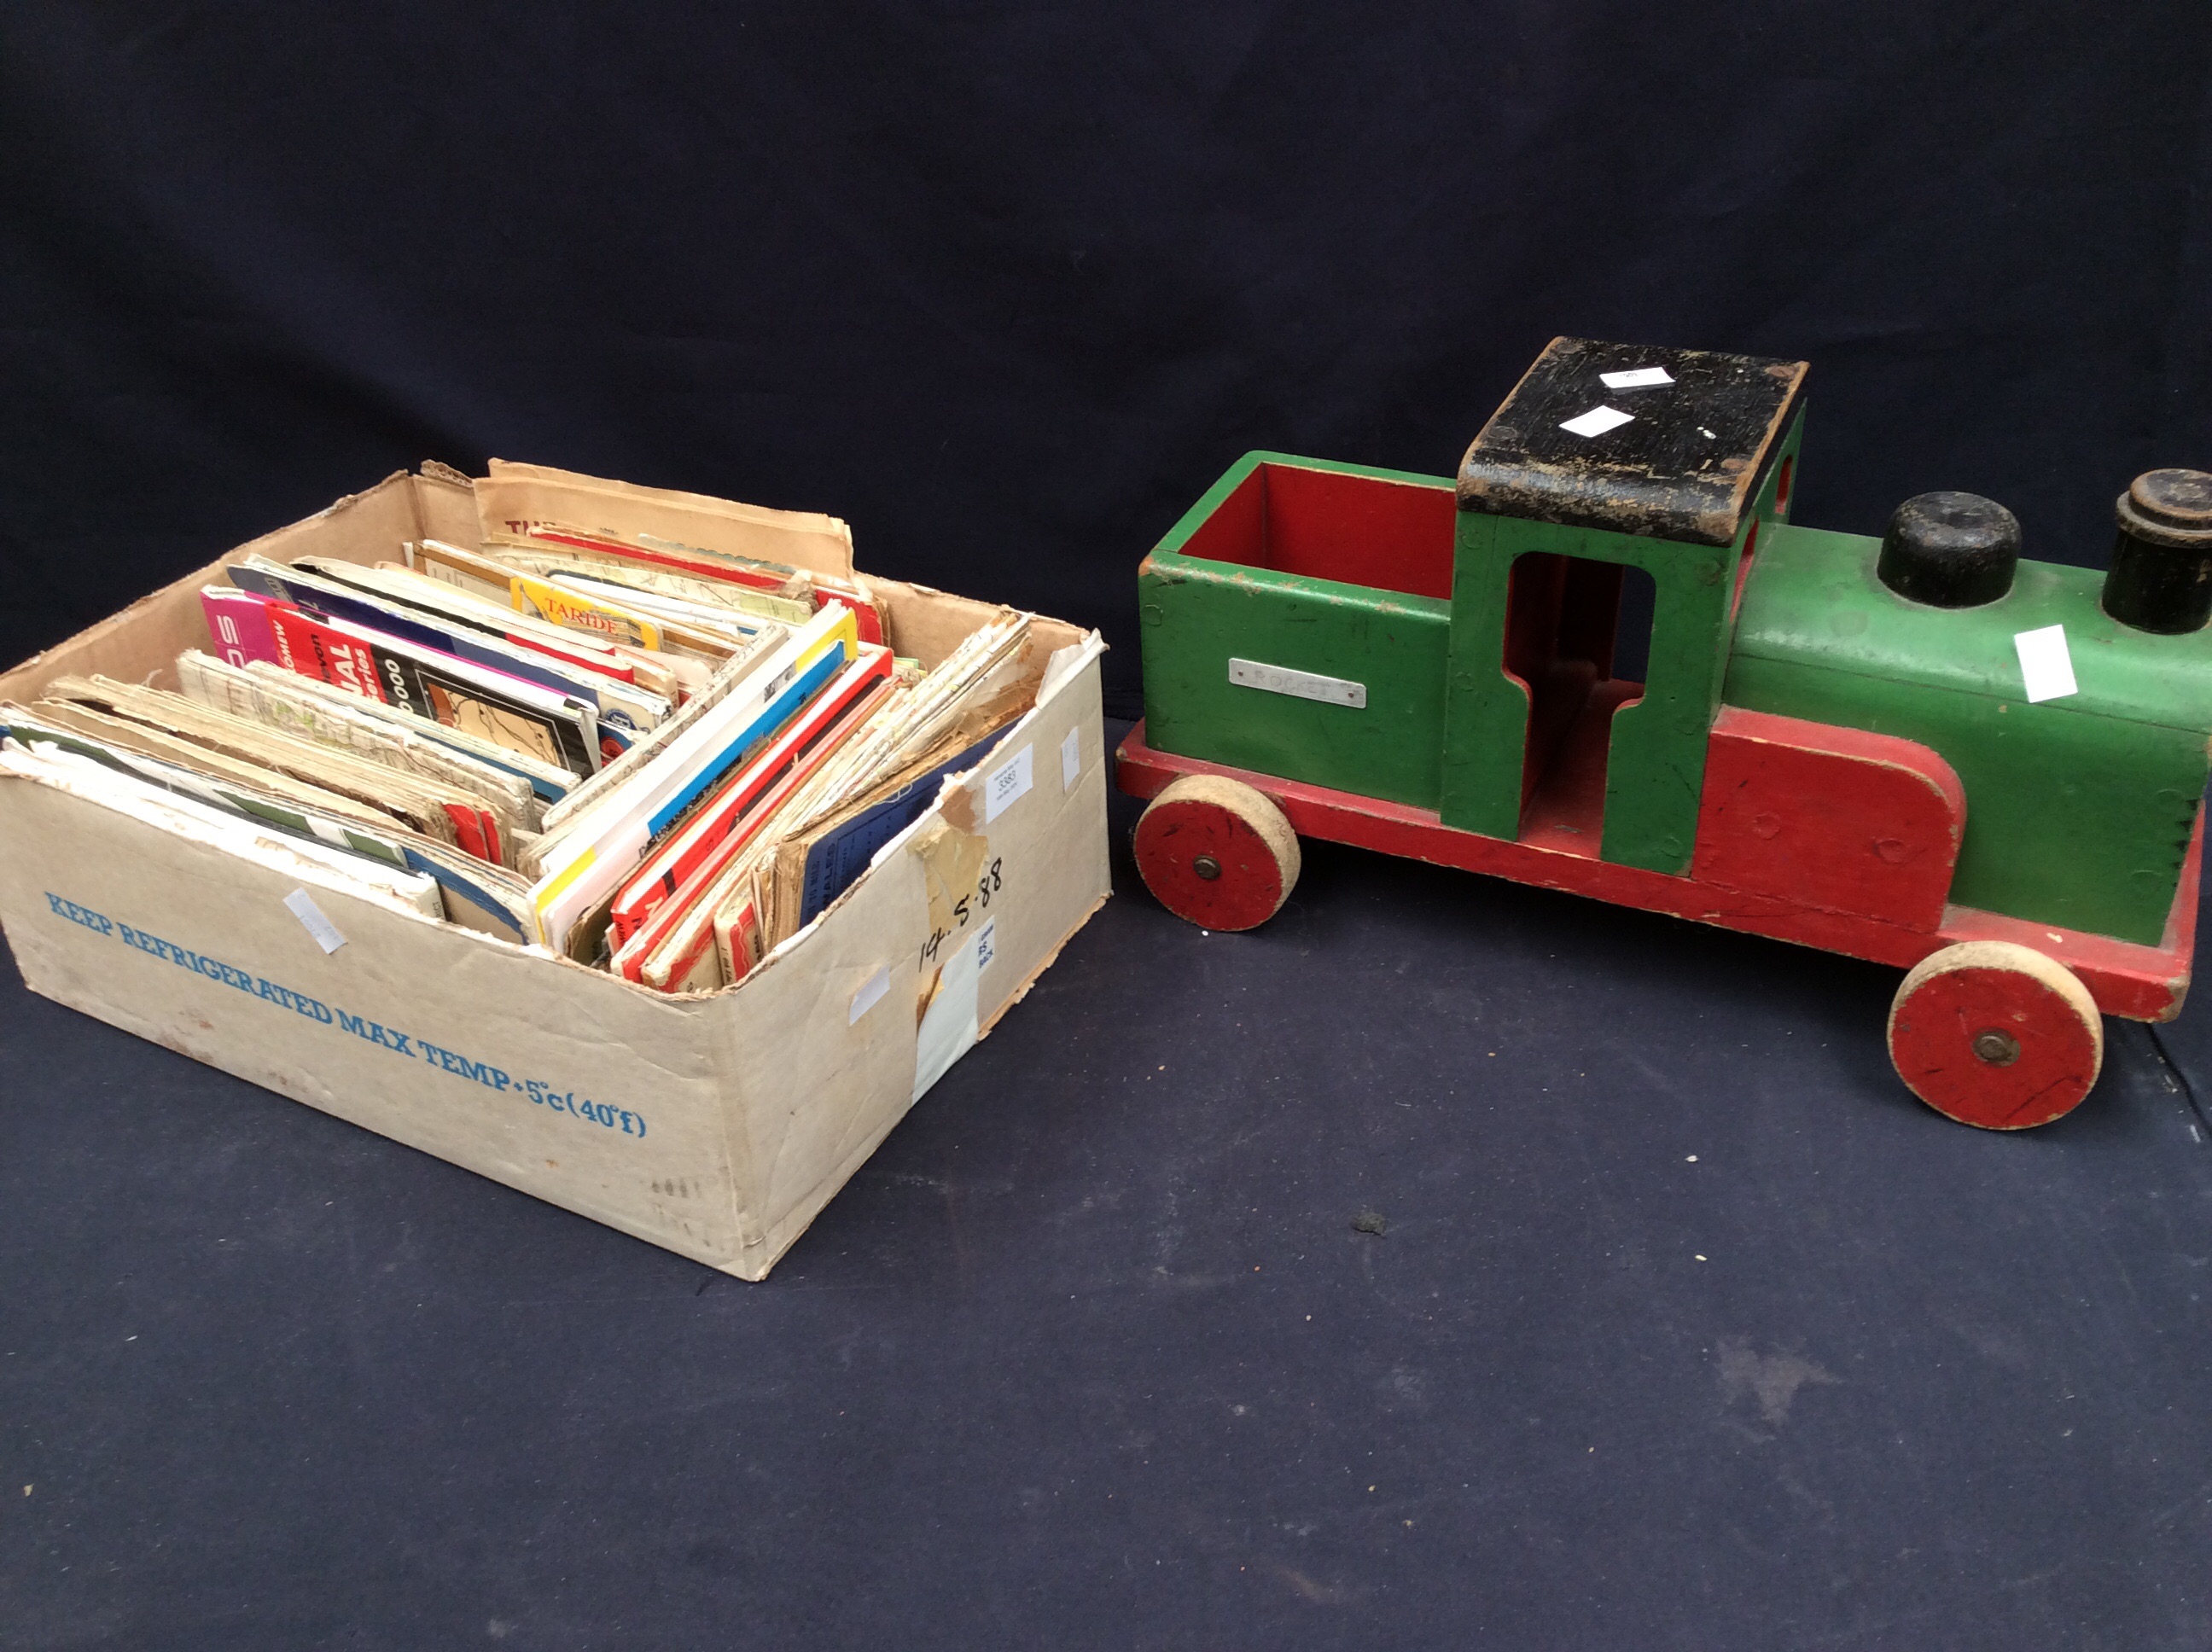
[1996, 1034]
[1217, 852]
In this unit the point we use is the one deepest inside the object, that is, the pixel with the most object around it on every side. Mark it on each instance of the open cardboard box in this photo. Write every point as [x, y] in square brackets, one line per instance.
[716, 1125]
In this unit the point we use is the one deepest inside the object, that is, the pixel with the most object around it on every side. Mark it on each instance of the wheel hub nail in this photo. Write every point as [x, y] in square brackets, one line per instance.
[1207, 867]
[1999, 1050]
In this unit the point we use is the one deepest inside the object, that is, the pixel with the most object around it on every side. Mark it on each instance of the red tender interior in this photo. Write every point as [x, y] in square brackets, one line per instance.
[1323, 525]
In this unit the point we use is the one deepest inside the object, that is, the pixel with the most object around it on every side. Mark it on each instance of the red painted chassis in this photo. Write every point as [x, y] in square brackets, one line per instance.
[2136, 982]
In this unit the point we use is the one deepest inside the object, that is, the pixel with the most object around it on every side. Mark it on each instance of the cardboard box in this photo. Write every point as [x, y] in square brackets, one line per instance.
[716, 1125]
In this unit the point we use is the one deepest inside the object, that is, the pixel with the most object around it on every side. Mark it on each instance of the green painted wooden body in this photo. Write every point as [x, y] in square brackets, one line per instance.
[1452, 740]
[1199, 612]
[1657, 766]
[2078, 810]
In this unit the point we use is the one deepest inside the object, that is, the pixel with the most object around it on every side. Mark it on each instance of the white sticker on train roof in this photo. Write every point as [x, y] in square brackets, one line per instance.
[2047, 669]
[1599, 420]
[1636, 379]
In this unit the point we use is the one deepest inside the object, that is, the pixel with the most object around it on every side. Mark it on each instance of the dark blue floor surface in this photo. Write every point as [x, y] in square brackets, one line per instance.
[1690, 1328]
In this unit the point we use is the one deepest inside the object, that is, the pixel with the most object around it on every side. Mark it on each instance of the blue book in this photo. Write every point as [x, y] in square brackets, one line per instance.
[839, 856]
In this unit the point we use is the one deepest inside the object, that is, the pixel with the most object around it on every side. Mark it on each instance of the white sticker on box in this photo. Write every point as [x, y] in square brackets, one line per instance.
[305, 909]
[1599, 420]
[1057, 669]
[871, 994]
[1007, 783]
[2045, 667]
[949, 1025]
[985, 945]
[1071, 759]
[1636, 379]
[1305, 685]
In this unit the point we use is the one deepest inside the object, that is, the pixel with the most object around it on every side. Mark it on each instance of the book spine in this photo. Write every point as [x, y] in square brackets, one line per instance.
[628, 960]
[239, 624]
[565, 608]
[759, 579]
[684, 971]
[620, 671]
[314, 650]
[763, 728]
[739, 943]
[866, 620]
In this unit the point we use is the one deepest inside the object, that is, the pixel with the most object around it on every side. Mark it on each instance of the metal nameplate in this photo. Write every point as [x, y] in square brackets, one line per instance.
[1306, 685]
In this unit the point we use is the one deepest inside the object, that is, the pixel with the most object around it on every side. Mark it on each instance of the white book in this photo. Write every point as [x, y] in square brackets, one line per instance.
[598, 846]
[549, 782]
[304, 857]
[340, 721]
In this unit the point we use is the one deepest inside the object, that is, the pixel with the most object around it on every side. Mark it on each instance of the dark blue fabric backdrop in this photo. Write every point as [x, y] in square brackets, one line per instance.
[1008, 286]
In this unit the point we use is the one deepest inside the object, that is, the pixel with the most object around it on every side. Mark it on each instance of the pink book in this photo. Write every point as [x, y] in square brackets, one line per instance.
[239, 622]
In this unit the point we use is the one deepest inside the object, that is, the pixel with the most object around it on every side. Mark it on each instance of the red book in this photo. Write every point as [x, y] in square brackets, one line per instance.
[680, 909]
[667, 919]
[737, 804]
[740, 938]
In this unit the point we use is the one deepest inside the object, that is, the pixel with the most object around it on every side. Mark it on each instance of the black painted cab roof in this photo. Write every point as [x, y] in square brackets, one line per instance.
[1685, 465]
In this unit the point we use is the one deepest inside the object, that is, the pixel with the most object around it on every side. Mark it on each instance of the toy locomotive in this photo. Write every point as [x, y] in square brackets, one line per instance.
[1428, 669]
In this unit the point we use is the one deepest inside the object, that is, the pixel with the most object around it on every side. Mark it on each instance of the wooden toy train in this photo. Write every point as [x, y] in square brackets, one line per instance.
[1436, 670]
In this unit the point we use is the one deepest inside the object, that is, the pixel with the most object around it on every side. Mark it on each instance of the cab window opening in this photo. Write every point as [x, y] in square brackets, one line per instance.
[1578, 639]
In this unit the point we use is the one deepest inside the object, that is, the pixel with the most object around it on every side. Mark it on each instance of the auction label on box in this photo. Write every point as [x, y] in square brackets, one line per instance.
[1007, 784]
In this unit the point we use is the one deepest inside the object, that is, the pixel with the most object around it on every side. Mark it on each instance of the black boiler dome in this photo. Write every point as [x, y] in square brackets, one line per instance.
[1950, 550]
